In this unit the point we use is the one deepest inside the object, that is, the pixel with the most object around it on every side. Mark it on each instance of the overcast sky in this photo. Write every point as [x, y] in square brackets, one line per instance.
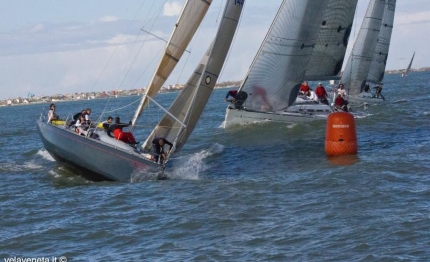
[56, 47]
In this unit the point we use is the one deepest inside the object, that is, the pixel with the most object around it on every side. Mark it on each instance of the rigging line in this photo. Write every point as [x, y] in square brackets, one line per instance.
[191, 44]
[144, 71]
[164, 40]
[166, 111]
[219, 11]
[140, 49]
[113, 53]
[120, 108]
[232, 44]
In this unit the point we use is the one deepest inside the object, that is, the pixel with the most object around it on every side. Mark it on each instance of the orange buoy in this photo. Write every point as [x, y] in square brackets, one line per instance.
[341, 137]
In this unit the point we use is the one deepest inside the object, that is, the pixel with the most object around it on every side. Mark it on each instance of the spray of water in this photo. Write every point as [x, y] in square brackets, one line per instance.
[193, 165]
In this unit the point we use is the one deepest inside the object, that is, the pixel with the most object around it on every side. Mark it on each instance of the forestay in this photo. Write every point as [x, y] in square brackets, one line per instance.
[190, 103]
[189, 20]
[379, 61]
[274, 78]
[329, 51]
[357, 68]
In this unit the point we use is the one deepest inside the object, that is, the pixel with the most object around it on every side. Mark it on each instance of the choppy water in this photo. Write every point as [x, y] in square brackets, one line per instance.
[263, 192]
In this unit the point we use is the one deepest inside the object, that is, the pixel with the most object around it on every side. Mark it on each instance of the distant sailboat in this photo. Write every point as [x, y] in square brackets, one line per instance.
[406, 71]
[368, 58]
[107, 158]
[306, 41]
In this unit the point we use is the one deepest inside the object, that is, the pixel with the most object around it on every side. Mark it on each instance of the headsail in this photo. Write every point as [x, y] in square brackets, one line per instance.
[377, 67]
[357, 68]
[330, 48]
[192, 100]
[191, 16]
[273, 81]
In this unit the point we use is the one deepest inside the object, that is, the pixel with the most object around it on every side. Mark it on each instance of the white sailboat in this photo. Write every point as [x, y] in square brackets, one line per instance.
[104, 159]
[368, 58]
[295, 48]
[406, 71]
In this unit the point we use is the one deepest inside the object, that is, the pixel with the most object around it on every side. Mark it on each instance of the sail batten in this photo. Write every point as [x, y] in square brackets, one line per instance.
[191, 101]
[189, 20]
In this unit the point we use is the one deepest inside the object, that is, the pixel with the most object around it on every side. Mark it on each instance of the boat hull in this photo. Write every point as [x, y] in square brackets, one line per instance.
[360, 99]
[293, 114]
[96, 160]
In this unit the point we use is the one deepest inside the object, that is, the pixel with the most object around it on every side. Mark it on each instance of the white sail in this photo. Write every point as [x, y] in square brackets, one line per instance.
[330, 48]
[357, 68]
[191, 16]
[273, 81]
[192, 100]
[379, 61]
[409, 66]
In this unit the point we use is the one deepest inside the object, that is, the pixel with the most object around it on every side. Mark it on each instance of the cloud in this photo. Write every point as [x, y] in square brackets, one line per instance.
[108, 19]
[37, 28]
[418, 17]
[172, 9]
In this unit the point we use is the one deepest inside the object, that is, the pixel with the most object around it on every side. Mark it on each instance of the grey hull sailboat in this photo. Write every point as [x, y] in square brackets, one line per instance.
[306, 41]
[368, 59]
[101, 160]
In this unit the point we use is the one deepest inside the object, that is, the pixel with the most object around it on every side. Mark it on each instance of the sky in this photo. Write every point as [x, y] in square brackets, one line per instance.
[52, 47]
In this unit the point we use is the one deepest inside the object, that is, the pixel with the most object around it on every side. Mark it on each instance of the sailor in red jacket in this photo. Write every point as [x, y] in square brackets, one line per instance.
[304, 88]
[321, 94]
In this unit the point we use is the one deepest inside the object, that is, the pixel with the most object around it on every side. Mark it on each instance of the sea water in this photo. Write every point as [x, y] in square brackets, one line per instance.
[260, 192]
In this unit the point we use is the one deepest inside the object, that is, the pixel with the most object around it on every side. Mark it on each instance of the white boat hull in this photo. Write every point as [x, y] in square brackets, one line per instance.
[293, 114]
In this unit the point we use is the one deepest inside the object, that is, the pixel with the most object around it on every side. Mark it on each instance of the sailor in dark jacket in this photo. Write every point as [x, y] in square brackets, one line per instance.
[158, 148]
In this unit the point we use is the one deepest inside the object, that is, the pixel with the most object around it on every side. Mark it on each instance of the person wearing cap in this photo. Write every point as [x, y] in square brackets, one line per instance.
[321, 94]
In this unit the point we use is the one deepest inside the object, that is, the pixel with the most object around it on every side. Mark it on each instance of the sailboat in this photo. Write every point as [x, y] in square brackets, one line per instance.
[104, 160]
[406, 71]
[294, 49]
[368, 59]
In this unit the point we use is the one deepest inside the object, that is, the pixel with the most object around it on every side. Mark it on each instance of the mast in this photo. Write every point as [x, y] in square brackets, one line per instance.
[189, 20]
[191, 101]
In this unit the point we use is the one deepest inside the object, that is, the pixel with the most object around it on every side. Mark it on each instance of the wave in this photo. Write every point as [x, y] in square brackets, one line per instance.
[192, 166]
[45, 155]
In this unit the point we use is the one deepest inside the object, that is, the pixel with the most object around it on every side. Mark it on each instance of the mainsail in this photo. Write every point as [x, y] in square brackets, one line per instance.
[330, 48]
[191, 16]
[190, 103]
[274, 78]
[409, 66]
[377, 67]
[356, 70]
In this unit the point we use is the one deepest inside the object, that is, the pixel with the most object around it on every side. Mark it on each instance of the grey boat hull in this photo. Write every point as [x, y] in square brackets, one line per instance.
[96, 160]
